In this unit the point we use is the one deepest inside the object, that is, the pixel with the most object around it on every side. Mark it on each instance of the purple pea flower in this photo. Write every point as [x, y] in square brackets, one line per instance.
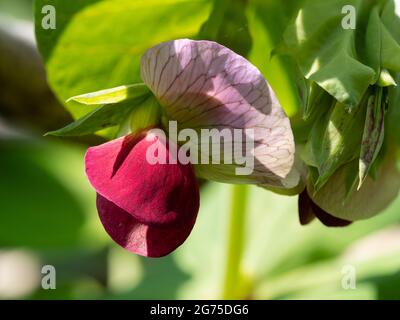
[150, 209]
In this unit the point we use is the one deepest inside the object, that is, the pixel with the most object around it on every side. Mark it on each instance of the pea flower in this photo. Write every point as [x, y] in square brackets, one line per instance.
[150, 209]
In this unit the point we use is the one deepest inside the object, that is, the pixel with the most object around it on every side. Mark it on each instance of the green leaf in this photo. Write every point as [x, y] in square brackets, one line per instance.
[267, 22]
[113, 95]
[47, 39]
[228, 26]
[325, 52]
[391, 20]
[343, 76]
[318, 102]
[98, 44]
[45, 199]
[383, 52]
[390, 53]
[374, 43]
[148, 114]
[103, 117]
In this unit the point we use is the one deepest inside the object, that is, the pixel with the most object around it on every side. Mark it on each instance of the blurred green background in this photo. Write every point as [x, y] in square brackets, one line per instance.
[48, 214]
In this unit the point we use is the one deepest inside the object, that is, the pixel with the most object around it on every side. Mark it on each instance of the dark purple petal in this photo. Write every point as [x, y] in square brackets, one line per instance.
[306, 213]
[140, 203]
[119, 171]
[146, 240]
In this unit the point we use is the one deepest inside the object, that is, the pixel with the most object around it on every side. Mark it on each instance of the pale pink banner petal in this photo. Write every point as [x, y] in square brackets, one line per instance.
[203, 85]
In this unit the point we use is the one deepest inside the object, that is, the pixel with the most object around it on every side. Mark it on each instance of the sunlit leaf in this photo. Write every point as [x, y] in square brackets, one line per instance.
[267, 22]
[98, 44]
[109, 115]
[382, 49]
[325, 52]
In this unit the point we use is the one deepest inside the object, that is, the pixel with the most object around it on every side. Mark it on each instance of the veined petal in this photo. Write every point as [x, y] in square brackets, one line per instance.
[203, 85]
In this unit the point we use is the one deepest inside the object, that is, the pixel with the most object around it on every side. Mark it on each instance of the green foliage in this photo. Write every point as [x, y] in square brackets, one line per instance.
[44, 196]
[336, 140]
[350, 67]
[228, 26]
[317, 98]
[114, 95]
[98, 44]
[325, 52]
[382, 48]
[267, 22]
[48, 39]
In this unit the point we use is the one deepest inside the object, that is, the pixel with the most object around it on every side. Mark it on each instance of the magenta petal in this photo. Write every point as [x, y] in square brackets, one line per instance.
[146, 240]
[148, 209]
[202, 84]
[157, 194]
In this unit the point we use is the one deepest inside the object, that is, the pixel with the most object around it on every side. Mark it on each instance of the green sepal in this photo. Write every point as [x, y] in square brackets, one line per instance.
[373, 135]
[147, 115]
[113, 95]
[336, 139]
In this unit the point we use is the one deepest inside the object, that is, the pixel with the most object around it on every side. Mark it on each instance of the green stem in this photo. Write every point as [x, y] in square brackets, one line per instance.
[235, 244]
